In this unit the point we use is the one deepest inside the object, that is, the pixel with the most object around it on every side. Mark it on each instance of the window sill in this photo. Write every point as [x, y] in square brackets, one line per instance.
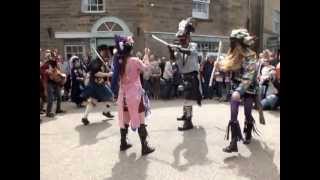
[203, 19]
[93, 12]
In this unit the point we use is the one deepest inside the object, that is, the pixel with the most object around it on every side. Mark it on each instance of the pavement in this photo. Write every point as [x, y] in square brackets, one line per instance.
[71, 151]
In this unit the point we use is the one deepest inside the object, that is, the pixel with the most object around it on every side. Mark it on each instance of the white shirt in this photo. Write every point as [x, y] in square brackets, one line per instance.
[168, 72]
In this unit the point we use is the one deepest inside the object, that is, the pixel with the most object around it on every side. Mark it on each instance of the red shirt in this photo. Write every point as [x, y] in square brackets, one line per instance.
[45, 67]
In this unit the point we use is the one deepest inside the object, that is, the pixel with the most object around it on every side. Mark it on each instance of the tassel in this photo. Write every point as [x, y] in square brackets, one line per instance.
[238, 130]
[255, 129]
[227, 131]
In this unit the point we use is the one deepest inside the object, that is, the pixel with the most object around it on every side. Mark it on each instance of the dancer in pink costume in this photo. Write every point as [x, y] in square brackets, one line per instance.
[132, 103]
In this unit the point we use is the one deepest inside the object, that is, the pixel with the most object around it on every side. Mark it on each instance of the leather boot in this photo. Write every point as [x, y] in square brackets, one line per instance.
[232, 147]
[145, 148]
[247, 132]
[186, 125]
[124, 145]
[184, 116]
[235, 137]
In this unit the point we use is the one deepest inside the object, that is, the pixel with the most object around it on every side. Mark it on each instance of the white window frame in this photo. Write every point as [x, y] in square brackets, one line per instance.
[74, 45]
[85, 4]
[276, 21]
[208, 46]
[199, 14]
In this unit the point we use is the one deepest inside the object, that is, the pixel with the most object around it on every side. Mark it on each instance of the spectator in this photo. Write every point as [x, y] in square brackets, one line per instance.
[168, 79]
[218, 85]
[227, 87]
[52, 88]
[155, 77]
[65, 68]
[272, 97]
[139, 55]
[207, 67]
[162, 64]
[267, 74]
[176, 79]
[77, 78]
[87, 61]
[147, 85]
[42, 93]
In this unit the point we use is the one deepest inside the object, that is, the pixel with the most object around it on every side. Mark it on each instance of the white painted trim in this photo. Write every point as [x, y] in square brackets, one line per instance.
[93, 12]
[85, 35]
[110, 19]
[198, 14]
[72, 45]
[72, 35]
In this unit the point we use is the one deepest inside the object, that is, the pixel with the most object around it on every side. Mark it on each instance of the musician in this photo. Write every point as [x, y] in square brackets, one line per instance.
[97, 89]
[51, 85]
[187, 61]
[242, 62]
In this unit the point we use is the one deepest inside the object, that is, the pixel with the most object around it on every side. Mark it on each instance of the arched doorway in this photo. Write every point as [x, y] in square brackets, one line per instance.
[103, 31]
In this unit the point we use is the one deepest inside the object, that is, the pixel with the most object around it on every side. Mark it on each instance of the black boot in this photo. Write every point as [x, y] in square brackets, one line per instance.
[108, 114]
[232, 147]
[247, 132]
[184, 116]
[146, 149]
[124, 145]
[235, 137]
[186, 125]
[85, 121]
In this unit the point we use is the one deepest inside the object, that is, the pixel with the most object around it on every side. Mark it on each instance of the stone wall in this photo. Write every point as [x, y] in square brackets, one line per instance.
[140, 17]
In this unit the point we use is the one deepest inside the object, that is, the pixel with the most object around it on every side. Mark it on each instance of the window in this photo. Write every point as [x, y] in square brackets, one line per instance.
[200, 9]
[207, 46]
[109, 26]
[74, 50]
[93, 6]
[276, 21]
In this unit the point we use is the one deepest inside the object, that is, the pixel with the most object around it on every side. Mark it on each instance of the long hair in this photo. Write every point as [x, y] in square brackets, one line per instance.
[124, 59]
[235, 55]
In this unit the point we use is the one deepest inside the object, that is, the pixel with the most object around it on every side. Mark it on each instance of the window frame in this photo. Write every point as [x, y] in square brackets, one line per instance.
[74, 45]
[85, 9]
[276, 21]
[198, 14]
[207, 46]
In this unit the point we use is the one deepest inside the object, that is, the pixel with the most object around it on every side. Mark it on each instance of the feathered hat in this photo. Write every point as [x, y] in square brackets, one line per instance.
[243, 36]
[185, 27]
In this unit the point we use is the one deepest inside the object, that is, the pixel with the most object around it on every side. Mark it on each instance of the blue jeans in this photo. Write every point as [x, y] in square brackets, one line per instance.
[270, 102]
[54, 91]
[219, 89]
[207, 91]
[147, 87]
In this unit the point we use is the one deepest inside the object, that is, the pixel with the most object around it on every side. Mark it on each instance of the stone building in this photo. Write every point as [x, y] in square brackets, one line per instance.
[271, 30]
[75, 26]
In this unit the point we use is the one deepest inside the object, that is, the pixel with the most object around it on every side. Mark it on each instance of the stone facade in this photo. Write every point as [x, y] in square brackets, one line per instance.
[142, 20]
[271, 39]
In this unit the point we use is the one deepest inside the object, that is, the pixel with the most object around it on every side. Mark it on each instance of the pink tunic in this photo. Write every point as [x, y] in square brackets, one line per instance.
[131, 89]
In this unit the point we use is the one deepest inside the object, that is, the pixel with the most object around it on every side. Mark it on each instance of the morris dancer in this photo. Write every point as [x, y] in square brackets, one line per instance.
[242, 61]
[187, 61]
[132, 104]
[97, 91]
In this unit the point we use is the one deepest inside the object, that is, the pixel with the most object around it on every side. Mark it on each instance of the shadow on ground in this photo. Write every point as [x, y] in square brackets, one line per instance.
[258, 166]
[195, 149]
[275, 113]
[128, 167]
[155, 104]
[88, 134]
